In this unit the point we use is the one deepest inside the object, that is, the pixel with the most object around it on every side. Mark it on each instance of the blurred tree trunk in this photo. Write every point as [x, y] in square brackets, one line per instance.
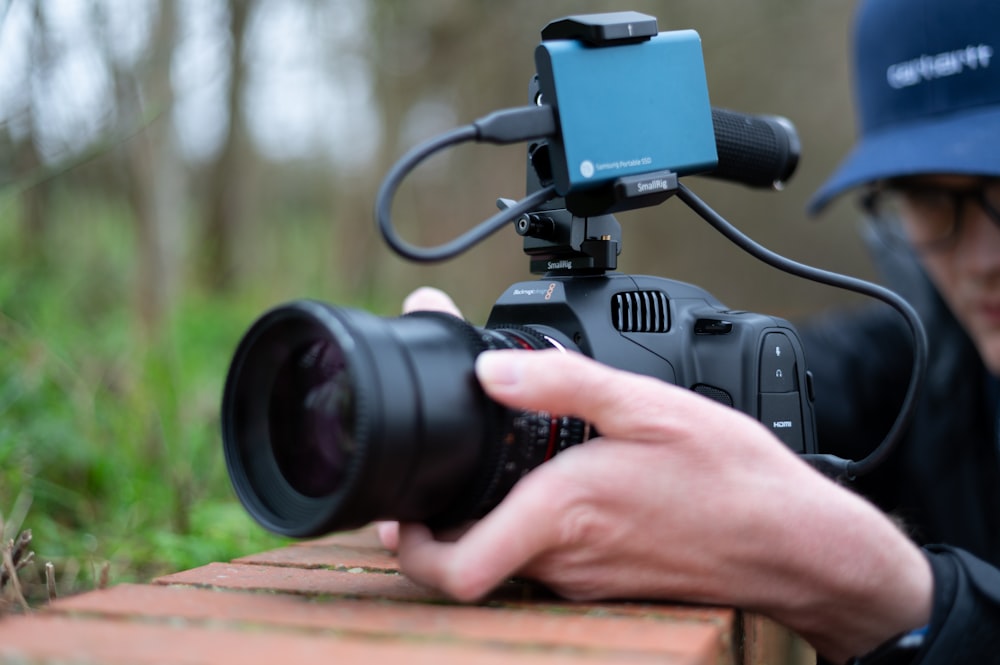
[153, 178]
[149, 165]
[27, 162]
[229, 174]
[34, 195]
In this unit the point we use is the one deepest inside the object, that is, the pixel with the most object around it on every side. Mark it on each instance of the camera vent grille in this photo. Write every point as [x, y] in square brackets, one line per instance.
[640, 311]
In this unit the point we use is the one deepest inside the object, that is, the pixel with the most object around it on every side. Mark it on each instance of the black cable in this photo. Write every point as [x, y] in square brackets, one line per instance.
[829, 463]
[506, 126]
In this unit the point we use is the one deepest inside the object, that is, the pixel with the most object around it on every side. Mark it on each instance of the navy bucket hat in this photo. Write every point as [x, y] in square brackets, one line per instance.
[927, 92]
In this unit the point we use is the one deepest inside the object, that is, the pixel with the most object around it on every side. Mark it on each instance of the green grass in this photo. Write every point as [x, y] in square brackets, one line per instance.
[109, 438]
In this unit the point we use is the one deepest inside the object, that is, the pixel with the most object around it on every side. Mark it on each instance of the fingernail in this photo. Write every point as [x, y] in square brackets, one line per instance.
[499, 368]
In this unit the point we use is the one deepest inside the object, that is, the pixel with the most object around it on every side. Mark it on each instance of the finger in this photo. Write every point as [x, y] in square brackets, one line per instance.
[618, 403]
[388, 535]
[429, 299]
[493, 549]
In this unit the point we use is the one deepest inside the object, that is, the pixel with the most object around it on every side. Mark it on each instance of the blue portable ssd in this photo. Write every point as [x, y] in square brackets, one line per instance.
[626, 109]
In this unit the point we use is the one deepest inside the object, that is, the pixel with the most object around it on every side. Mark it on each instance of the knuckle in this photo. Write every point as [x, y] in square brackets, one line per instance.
[465, 584]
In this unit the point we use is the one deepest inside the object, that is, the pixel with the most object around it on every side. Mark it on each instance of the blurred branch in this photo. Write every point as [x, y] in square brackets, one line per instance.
[16, 517]
[50, 581]
[100, 148]
[14, 555]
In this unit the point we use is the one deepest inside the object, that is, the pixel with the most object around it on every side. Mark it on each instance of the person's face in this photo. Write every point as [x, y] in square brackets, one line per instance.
[954, 223]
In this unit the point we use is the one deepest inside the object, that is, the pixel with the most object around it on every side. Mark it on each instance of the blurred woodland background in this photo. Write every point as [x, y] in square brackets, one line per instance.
[169, 169]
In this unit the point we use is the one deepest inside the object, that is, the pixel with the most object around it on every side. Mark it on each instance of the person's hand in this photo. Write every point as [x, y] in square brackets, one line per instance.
[682, 499]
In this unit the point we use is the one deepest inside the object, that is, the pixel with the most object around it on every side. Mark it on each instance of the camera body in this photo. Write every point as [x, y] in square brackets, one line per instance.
[678, 333]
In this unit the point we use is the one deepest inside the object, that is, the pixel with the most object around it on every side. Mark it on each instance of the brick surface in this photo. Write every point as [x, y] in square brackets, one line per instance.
[341, 599]
[94, 641]
[538, 627]
[306, 581]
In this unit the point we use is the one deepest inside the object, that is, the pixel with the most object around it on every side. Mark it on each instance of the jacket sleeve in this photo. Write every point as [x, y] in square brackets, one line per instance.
[965, 623]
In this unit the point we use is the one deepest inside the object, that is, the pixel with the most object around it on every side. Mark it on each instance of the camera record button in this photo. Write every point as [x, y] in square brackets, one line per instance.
[777, 364]
[781, 413]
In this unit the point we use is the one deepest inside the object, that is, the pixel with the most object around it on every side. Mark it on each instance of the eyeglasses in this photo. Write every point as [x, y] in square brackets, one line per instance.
[933, 213]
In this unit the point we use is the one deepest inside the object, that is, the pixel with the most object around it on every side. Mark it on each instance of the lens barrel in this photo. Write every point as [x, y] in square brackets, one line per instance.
[335, 417]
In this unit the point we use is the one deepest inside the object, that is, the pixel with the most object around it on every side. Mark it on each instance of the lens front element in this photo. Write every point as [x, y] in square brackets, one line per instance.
[311, 417]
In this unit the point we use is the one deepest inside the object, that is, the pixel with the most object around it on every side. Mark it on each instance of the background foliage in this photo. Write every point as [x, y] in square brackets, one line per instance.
[170, 169]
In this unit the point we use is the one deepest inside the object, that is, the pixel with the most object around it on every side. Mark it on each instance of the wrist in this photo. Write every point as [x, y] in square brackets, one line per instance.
[856, 581]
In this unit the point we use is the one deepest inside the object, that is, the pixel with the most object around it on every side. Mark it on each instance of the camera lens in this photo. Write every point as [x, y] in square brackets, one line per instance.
[334, 417]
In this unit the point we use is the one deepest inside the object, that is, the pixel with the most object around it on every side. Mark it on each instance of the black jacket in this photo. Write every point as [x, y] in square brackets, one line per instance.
[943, 480]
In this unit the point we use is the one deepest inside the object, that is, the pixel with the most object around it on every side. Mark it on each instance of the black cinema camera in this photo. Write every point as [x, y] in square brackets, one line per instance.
[334, 417]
